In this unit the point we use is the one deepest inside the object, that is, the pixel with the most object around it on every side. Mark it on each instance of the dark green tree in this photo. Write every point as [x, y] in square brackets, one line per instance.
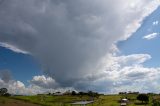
[73, 93]
[143, 98]
[81, 93]
[90, 93]
[3, 91]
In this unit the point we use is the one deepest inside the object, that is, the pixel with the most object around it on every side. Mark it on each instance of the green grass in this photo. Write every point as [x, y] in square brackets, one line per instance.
[46, 100]
[103, 100]
[3, 100]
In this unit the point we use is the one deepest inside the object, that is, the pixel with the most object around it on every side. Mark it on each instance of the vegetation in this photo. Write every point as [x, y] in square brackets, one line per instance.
[143, 98]
[67, 99]
[3, 92]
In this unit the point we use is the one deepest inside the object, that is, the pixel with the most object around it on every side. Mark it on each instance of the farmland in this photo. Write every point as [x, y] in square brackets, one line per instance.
[65, 100]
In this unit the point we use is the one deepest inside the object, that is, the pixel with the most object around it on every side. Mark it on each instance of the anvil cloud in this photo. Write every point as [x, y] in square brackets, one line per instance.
[70, 38]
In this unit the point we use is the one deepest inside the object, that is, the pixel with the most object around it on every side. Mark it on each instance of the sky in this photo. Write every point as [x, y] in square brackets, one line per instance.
[146, 38]
[107, 46]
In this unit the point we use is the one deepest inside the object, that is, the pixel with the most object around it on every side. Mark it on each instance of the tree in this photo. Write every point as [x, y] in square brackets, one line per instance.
[90, 93]
[3, 91]
[49, 93]
[81, 93]
[73, 93]
[7, 94]
[143, 98]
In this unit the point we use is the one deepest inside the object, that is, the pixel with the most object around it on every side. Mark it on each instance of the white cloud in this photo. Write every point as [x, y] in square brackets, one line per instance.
[44, 82]
[37, 85]
[115, 63]
[151, 36]
[14, 87]
[13, 48]
[155, 23]
[18, 84]
[18, 87]
[133, 59]
[127, 73]
[138, 78]
[118, 73]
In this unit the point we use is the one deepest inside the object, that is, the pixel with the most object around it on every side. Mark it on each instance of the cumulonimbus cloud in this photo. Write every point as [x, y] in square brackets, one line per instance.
[69, 38]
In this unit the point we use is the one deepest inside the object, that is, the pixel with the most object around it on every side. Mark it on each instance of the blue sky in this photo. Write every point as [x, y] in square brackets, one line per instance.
[22, 67]
[137, 45]
[53, 45]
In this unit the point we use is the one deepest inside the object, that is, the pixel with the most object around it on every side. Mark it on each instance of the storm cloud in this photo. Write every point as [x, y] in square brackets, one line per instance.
[5, 75]
[70, 37]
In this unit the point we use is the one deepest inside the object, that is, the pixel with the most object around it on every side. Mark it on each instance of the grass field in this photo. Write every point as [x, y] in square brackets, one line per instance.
[5, 101]
[46, 100]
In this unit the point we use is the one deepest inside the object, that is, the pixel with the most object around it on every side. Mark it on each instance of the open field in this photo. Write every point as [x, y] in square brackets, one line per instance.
[5, 101]
[46, 100]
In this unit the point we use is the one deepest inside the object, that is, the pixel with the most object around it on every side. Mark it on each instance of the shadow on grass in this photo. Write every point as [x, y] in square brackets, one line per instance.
[140, 103]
